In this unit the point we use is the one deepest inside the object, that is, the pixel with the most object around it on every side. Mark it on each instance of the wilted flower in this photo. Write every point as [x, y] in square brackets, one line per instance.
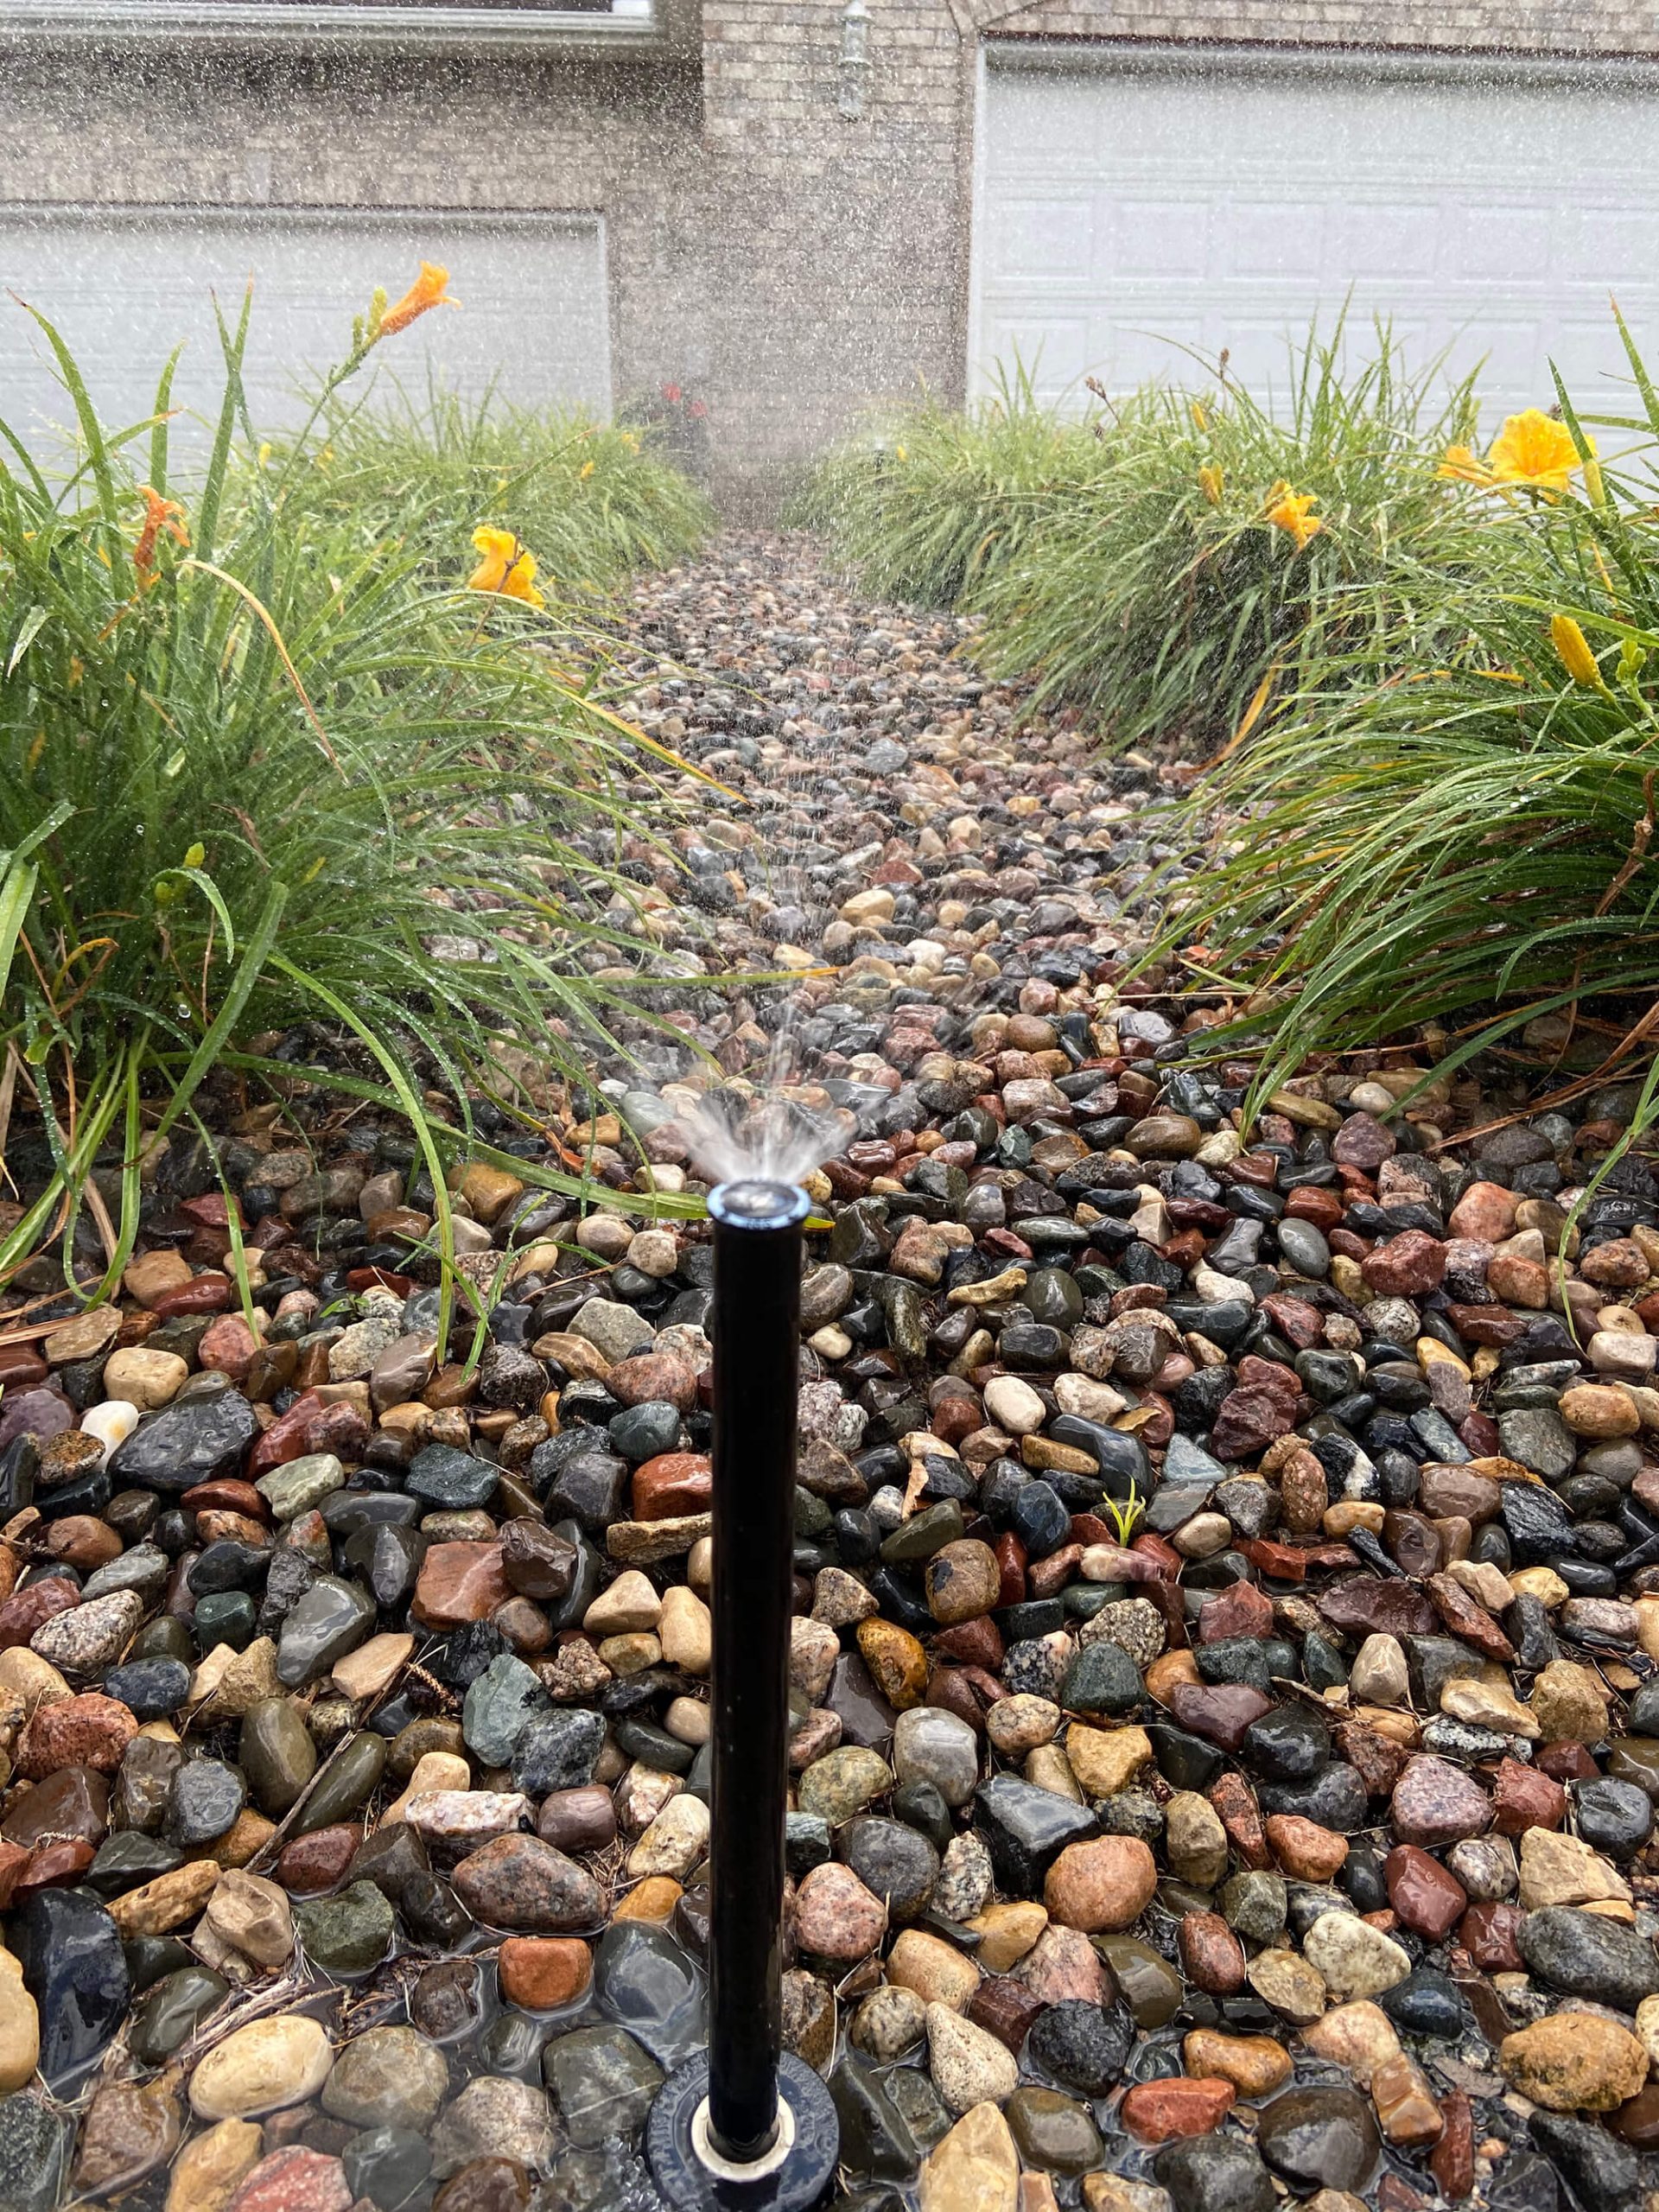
[427, 291]
[1574, 649]
[1290, 512]
[507, 566]
[160, 515]
[1464, 465]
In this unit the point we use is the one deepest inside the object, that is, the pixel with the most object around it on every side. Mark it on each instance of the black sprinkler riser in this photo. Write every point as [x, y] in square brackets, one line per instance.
[721, 2114]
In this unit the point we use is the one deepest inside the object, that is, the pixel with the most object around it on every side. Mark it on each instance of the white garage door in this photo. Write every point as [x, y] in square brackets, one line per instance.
[1129, 203]
[124, 286]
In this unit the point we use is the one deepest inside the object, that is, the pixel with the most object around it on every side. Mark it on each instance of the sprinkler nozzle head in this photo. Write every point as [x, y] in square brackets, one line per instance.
[754, 1202]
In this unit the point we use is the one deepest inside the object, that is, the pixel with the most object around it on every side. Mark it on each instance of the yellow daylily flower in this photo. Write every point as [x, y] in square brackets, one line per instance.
[1209, 483]
[586, 471]
[1290, 512]
[1572, 648]
[507, 567]
[1533, 449]
[427, 291]
[1200, 420]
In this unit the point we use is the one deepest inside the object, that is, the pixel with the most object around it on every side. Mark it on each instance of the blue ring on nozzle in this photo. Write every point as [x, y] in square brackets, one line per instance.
[756, 1202]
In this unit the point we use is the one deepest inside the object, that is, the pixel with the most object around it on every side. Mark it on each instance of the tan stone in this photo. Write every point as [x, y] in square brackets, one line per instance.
[370, 1670]
[20, 2027]
[1569, 1704]
[261, 2068]
[975, 2169]
[630, 1605]
[168, 1902]
[1574, 2061]
[1006, 1933]
[1106, 1760]
[685, 1630]
[1559, 1869]
[1360, 2037]
[434, 1770]
[144, 1378]
[933, 1969]
[1254, 2064]
[210, 2169]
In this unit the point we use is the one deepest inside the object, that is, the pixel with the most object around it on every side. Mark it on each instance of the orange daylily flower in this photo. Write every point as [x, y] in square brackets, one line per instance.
[427, 291]
[1290, 512]
[507, 567]
[160, 515]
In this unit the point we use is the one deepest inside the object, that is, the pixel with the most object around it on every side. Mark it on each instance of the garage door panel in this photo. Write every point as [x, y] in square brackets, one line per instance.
[1047, 239]
[1162, 238]
[1483, 217]
[125, 286]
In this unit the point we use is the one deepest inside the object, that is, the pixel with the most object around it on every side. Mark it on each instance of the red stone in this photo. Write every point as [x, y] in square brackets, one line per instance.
[1452, 2161]
[1010, 1565]
[212, 1210]
[1322, 1208]
[207, 1293]
[1046, 1578]
[1467, 1618]
[27, 1610]
[973, 1643]
[1283, 1561]
[1242, 1609]
[1211, 1953]
[13, 1858]
[1426, 1896]
[310, 1425]
[1241, 1816]
[1152, 2112]
[1406, 1267]
[295, 2180]
[1486, 1325]
[672, 1483]
[90, 1731]
[539, 1973]
[1478, 1433]
[1164, 1559]
[226, 1494]
[1637, 2119]
[1247, 1422]
[1299, 1323]
[1005, 2008]
[1219, 1712]
[458, 1583]
[53, 1866]
[1523, 1798]
[1566, 1762]
[1490, 1932]
[20, 1366]
[361, 1279]
[317, 1862]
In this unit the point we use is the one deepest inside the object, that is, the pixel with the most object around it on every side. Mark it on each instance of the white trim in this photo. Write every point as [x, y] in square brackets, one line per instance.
[314, 23]
[1146, 57]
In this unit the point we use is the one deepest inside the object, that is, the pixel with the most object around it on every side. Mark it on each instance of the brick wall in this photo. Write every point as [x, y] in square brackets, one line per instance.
[787, 263]
[1557, 27]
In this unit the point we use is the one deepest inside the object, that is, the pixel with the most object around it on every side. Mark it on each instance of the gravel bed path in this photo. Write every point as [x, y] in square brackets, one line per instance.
[1227, 1568]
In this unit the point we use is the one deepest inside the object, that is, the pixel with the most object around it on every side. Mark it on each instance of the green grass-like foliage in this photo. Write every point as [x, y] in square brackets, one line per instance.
[261, 777]
[595, 500]
[1128, 563]
[1467, 842]
[933, 500]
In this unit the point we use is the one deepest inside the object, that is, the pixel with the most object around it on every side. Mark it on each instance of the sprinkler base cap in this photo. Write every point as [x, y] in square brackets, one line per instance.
[796, 2183]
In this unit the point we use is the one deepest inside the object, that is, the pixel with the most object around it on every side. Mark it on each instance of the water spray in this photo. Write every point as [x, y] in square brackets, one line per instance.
[746, 2125]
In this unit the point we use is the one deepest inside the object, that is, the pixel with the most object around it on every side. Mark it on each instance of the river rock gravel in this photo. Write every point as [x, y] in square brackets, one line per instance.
[1227, 1566]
